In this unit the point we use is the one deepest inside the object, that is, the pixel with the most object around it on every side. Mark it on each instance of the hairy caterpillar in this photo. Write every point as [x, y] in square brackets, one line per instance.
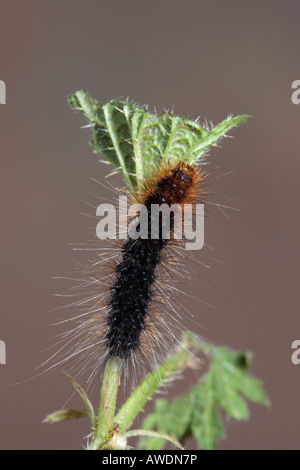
[131, 293]
[131, 311]
[128, 308]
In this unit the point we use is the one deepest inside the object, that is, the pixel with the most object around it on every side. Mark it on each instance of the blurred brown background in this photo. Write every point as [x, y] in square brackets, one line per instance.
[207, 58]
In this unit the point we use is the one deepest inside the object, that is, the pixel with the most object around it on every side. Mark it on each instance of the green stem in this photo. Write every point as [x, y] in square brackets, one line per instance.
[141, 395]
[105, 420]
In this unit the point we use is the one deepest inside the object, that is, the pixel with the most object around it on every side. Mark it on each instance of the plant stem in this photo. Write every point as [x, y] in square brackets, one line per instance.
[141, 395]
[105, 420]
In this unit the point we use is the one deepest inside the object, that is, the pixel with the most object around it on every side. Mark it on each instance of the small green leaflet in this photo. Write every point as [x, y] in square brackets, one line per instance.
[65, 415]
[136, 141]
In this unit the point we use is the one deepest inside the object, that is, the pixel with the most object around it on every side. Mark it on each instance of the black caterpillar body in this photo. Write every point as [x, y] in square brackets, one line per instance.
[136, 273]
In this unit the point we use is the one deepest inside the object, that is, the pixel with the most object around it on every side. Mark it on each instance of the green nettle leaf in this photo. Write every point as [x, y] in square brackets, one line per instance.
[150, 136]
[197, 413]
[136, 141]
